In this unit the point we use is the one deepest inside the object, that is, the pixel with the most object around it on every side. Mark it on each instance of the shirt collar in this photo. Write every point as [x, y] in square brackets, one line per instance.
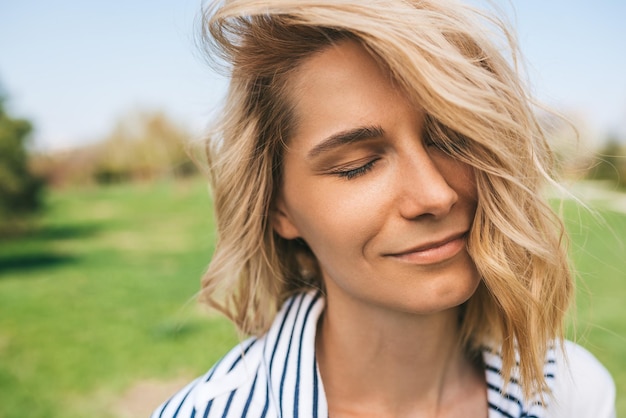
[289, 359]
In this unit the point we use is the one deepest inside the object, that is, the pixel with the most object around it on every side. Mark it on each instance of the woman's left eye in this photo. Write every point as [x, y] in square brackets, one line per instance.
[349, 174]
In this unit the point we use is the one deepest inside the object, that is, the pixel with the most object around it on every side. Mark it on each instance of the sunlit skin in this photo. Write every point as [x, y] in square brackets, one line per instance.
[387, 214]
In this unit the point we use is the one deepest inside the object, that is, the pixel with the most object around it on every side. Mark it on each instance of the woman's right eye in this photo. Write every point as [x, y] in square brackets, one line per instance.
[352, 173]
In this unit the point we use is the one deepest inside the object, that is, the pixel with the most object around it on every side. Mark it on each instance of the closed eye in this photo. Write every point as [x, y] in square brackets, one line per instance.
[352, 173]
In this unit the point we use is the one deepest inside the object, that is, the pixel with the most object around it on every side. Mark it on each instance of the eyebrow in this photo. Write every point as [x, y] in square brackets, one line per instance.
[346, 137]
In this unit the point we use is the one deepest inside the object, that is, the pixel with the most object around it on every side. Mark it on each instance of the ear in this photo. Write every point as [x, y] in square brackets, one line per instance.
[281, 221]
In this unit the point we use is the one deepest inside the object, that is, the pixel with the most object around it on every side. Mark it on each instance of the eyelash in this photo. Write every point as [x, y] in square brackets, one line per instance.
[356, 172]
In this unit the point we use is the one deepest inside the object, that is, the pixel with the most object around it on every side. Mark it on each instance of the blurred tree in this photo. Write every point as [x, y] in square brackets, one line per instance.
[610, 163]
[143, 146]
[572, 141]
[20, 190]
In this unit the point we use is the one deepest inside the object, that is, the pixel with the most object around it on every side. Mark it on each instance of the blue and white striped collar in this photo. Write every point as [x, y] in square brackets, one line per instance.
[277, 376]
[295, 382]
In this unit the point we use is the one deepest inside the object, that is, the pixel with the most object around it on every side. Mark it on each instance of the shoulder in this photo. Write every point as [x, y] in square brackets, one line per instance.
[265, 374]
[228, 386]
[582, 385]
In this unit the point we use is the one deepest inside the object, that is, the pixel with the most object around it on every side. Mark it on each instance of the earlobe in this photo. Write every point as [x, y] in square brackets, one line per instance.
[282, 223]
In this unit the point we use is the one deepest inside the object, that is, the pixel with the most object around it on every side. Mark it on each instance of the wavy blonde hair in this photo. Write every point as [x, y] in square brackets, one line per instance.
[477, 110]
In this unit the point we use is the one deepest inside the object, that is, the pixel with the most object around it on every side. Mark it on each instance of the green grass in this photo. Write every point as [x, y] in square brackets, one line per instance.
[598, 249]
[101, 295]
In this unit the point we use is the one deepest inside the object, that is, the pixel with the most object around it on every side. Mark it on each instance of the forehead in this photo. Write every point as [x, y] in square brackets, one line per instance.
[339, 87]
[334, 59]
[345, 65]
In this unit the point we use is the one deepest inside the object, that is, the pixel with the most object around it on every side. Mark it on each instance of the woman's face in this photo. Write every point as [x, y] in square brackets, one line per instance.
[385, 212]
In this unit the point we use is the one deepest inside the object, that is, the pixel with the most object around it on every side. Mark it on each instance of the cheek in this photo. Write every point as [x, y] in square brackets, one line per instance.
[335, 219]
[332, 217]
[459, 176]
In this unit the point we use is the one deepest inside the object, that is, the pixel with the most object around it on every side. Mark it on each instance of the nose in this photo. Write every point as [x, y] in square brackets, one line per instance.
[425, 187]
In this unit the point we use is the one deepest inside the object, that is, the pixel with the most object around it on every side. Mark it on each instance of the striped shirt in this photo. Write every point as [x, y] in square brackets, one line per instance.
[277, 376]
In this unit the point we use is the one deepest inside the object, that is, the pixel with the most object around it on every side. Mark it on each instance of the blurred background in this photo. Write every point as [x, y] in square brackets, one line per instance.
[106, 224]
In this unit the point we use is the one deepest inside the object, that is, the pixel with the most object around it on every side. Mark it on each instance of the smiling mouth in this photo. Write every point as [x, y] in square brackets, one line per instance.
[435, 252]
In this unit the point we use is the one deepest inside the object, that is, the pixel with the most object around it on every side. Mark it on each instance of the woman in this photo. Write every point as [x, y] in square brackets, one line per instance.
[376, 177]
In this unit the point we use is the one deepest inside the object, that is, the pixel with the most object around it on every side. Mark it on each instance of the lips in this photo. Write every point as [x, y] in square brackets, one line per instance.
[433, 252]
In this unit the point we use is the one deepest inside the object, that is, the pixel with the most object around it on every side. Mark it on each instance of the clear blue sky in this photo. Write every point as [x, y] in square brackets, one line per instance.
[73, 67]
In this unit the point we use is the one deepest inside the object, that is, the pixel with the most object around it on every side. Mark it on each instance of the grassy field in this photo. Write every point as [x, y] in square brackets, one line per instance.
[101, 295]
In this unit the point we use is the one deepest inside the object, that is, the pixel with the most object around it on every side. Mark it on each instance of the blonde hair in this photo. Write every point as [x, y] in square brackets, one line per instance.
[477, 110]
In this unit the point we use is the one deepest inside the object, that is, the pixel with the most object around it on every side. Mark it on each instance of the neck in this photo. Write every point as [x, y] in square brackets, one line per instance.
[388, 362]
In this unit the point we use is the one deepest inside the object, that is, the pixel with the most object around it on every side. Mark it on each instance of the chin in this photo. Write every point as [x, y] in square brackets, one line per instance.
[450, 293]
